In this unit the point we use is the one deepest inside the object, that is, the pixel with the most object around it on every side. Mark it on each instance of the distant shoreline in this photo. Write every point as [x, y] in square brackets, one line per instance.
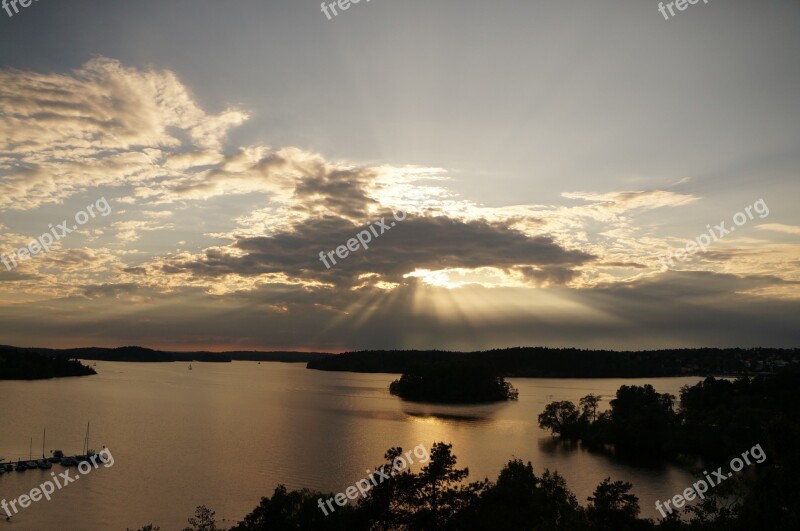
[540, 362]
[145, 355]
[519, 362]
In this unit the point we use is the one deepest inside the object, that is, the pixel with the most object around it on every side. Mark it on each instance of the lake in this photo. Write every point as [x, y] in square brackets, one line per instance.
[226, 434]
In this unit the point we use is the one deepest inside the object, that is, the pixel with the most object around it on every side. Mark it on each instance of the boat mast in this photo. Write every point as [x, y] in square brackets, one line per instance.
[86, 440]
[44, 438]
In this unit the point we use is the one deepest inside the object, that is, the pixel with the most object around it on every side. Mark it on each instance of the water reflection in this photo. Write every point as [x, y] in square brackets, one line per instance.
[556, 447]
[479, 414]
[447, 416]
[306, 428]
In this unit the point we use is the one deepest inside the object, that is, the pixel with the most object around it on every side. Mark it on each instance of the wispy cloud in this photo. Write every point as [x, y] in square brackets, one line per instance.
[779, 227]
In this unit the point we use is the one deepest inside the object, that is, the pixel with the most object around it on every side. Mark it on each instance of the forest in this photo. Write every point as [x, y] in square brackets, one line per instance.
[542, 362]
[19, 364]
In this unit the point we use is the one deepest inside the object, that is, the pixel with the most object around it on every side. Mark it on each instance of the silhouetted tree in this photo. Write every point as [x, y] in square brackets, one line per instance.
[561, 418]
[521, 501]
[559, 506]
[203, 520]
[642, 419]
[438, 494]
[297, 510]
[589, 405]
[613, 508]
[388, 504]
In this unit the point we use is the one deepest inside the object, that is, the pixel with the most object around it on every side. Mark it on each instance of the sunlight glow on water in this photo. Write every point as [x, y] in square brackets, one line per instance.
[225, 435]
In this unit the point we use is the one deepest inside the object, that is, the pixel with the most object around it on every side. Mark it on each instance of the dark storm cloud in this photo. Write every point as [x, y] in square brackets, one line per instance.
[549, 275]
[109, 290]
[630, 265]
[416, 243]
[343, 191]
[14, 276]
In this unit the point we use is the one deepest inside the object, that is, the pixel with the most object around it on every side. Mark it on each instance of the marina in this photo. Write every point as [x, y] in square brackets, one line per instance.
[57, 457]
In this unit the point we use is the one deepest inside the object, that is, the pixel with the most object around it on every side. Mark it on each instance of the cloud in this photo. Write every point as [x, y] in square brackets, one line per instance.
[417, 243]
[249, 222]
[633, 200]
[103, 124]
[779, 227]
[192, 159]
[129, 231]
[675, 309]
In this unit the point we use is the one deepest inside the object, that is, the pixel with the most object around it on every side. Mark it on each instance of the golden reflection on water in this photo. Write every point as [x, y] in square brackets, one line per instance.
[226, 434]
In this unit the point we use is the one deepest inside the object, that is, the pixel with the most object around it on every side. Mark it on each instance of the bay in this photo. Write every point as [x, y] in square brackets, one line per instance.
[226, 434]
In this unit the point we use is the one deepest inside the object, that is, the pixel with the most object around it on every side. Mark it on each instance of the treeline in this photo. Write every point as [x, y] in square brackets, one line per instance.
[543, 362]
[18, 364]
[141, 354]
[285, 357]
[438, 498]
[455, 384]
[713, 419]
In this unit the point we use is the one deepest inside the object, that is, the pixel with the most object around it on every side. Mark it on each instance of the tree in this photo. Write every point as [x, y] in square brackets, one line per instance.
[561, 418]
[589, 405]
[387, 506]
[559, 507]
[612, 507]
[292, 510]
[438, 495]
[203, 520]
[642, 419]
[508, 504]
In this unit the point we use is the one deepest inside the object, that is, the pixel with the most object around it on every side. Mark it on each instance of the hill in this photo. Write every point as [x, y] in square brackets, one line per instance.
[21, 364]
[541, 362]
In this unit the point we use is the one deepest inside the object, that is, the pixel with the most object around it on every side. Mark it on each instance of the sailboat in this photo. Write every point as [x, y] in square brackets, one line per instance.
[43, 462]
[57, 456]
[87, 453]
[31, 463]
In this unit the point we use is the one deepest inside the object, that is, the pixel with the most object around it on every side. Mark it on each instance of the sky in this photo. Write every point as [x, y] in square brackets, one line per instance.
[549, 159]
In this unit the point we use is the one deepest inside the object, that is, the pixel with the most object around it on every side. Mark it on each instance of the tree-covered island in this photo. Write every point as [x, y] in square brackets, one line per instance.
[20, 364]
[453, 384]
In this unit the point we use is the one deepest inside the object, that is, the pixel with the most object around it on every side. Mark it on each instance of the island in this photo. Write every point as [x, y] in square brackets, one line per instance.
[453, 384]
[21, 364]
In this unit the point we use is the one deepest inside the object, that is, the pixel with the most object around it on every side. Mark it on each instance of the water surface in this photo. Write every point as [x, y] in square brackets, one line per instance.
[227, 434]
